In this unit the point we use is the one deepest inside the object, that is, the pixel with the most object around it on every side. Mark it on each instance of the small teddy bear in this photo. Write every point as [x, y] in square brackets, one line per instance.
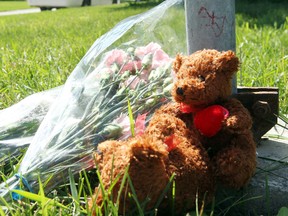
[200, 138]
[203, 88]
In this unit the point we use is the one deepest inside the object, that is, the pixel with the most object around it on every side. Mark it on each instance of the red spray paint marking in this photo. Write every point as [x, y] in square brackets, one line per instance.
[216, 23]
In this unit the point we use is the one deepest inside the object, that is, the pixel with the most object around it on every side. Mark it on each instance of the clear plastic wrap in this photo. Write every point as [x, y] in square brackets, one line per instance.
[127, 70]
[19, 123]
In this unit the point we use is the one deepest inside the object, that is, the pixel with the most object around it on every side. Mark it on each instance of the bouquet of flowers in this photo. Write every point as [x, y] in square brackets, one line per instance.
[111, 94]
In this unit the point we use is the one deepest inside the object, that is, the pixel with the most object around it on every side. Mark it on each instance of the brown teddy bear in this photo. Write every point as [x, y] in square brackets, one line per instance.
[200, 138]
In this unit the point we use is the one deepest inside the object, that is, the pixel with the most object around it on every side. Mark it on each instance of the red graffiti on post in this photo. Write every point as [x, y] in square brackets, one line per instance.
[216, 23]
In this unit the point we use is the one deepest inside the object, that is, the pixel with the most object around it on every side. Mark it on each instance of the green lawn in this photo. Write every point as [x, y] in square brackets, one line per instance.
[13, 5]
[262, 45]
[48, 45]
[39, 51]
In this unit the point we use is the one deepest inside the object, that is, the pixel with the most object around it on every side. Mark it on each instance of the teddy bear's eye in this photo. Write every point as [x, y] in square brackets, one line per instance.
[201, 78]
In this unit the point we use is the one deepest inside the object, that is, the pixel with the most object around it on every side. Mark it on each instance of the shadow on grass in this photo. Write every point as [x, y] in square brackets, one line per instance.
[261, 13]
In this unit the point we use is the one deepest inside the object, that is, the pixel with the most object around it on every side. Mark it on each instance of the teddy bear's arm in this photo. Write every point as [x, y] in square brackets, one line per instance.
[239, 117]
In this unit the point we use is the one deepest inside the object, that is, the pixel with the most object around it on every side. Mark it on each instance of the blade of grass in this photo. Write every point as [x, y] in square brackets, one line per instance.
[122, 185]
[104, 194]
[2, 213]
[212, 207]
[38, 198]
[283, 211]
[43, 201]
[131, 119]
[134, 196]
[171, 180]
[73, 190]
[196, 205]
[81, 184]
[88, 183]
[6, 204]
[203, 205]
[238, 202]
[173, 196]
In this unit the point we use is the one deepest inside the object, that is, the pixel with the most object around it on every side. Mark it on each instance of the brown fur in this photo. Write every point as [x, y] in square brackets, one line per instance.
[232, 150]
[229, 157]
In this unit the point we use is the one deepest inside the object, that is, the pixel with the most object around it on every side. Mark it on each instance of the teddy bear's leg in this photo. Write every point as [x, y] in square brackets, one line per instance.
[236, 164]
[194, 180]
[187, 160]
[143, 160]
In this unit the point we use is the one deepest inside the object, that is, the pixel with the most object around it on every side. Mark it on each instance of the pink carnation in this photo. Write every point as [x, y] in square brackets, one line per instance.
[144, 75]
[131, 66]
[150, 48]
[116, 56]
[160, 58]
[140, 124]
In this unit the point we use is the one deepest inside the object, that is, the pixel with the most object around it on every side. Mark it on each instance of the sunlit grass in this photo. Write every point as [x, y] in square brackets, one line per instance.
[264, 55]
[38, 51]
[13, 5]
[262, 45]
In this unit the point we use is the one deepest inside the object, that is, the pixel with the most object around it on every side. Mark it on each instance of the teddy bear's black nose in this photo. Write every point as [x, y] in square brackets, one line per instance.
[179, 91]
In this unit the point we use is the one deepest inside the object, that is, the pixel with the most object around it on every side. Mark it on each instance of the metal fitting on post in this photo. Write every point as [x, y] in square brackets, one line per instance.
[261, 109]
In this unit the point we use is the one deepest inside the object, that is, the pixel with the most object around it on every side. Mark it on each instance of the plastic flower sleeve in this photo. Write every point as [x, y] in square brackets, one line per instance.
[131, 64]
[19, 123]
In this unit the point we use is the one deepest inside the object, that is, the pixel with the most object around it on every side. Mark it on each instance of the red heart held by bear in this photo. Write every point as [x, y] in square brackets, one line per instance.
[209, 120]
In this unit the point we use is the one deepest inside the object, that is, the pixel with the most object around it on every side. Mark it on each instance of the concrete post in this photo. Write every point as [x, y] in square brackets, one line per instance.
[210, 24]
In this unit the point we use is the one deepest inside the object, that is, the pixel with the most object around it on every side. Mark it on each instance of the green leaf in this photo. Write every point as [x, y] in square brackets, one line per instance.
[131, 119]
[38, 198]
[165, 191]
[43, 198]
[2, 213]
[283, 211]
[134, 196]
[122, 185]
[73, 189]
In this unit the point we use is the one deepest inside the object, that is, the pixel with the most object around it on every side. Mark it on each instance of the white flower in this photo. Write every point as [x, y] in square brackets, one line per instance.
[155, 74]
[112, 131]
[167, 89]
[147, 60]
[167, 81]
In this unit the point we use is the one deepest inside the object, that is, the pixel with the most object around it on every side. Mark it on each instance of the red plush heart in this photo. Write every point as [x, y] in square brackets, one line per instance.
[209, 120]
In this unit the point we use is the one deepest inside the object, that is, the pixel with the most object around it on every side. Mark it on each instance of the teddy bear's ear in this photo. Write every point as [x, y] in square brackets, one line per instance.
[228, 62]
[177, 62]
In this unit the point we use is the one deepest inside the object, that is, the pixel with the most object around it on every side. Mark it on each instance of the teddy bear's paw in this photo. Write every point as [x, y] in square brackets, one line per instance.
[239, 119]
[234, 167]
[164, 125]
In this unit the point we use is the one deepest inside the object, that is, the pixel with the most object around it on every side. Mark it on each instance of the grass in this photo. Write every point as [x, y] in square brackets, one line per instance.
[39, 51]
[262, 45]
[13, 5]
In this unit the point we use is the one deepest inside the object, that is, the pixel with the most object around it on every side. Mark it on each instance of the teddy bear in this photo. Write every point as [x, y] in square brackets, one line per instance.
[229, 142]
[198, 140]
